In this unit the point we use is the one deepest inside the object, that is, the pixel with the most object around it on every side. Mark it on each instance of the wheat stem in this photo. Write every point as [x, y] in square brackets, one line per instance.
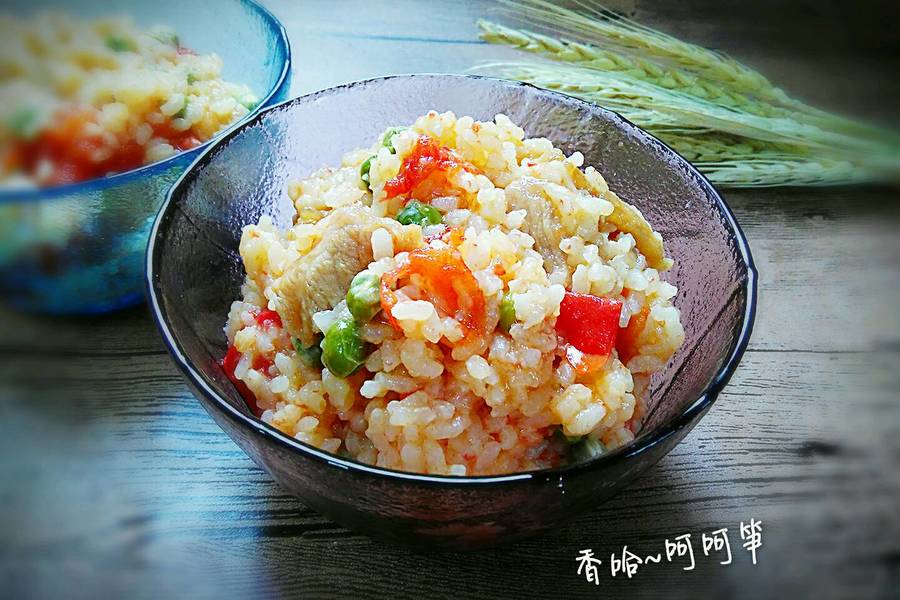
[729, 120]
[786, 171]
[592, 57]
[604, 28]
[652, 106]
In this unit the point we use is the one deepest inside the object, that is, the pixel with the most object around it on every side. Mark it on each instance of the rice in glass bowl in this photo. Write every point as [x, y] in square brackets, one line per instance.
[456, 299]
[100, 114]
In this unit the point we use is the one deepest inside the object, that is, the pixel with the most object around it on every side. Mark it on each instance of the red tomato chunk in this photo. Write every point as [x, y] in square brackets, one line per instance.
[589, 323]
[266, 318]
[427, 158]
[229, 364]
[447, 283]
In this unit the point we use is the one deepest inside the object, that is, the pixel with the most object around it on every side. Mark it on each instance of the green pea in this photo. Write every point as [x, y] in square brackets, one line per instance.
[364, 170]
[585, 449]
[364, 296]
[581, 447]
[24, 123]
[507, 312]
[343, 350]
[386, 140]
[569, 439]
[118, 44]
[416, 213]
[311, 356]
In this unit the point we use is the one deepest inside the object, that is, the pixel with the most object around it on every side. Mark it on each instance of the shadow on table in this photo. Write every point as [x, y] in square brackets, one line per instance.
[642, 517]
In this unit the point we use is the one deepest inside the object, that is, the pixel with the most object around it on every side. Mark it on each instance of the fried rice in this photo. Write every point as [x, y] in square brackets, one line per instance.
[82, 99]
[455, 299]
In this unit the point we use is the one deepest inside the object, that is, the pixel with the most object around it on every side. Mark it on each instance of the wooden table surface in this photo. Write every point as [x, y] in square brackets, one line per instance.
[115, 483]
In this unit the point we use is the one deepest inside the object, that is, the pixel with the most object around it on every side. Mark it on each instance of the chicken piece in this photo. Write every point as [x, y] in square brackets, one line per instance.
[319, 280]
[629, 219]
[541, 222]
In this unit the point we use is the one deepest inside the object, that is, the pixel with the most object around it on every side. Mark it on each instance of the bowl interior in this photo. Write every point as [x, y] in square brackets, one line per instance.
[196, 271]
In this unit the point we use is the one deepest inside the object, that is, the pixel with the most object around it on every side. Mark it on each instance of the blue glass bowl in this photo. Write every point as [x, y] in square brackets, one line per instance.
[79, 249]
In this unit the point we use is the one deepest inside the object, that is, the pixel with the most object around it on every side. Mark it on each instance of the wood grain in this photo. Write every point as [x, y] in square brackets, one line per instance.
[114, 481]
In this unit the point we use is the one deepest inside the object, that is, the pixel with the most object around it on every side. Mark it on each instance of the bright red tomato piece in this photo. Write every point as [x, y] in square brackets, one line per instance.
[266, 318]
[589, 323]
[229, 364]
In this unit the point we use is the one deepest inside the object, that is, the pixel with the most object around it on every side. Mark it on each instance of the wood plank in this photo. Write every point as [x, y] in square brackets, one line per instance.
[182, 486]
[115, 479]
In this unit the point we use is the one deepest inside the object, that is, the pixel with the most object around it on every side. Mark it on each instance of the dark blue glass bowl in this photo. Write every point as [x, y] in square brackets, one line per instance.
[194, 272]
[78, 249]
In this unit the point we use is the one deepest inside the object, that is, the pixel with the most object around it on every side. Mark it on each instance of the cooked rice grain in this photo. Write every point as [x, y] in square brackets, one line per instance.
[429, 399]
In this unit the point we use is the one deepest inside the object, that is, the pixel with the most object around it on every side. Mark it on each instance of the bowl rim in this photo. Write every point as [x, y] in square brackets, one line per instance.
[158, 167]
[684, 419]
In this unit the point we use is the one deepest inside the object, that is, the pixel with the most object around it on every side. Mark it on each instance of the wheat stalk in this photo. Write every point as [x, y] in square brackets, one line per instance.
[727, 118]
[600, 26]
[779, 171]
[712, 147]
[653, 106]
[592, 57]
[738, 162]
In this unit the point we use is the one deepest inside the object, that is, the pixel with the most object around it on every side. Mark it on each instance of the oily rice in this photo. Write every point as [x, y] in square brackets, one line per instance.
[442, 389]
[85, 98]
